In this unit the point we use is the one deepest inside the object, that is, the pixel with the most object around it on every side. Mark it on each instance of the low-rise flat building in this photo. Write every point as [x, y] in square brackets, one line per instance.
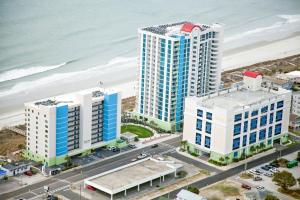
[187, 195]
[228, 123]
[15, 168]
[71, 124]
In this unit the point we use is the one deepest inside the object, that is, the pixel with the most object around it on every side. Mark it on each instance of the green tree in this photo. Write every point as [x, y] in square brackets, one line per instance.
[21, 146]
[252, 149]
[5, 178]
[262, 145]
[227, 159]
[68, 161]
[284, 179]
[221, 159]
[183, 144]
[271, 197]
[193, 189]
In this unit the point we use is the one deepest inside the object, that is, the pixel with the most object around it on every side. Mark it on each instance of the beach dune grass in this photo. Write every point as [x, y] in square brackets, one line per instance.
[141, 132]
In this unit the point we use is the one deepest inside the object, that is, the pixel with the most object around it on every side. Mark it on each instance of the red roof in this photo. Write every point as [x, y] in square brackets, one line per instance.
[188, 27]
[252, 74]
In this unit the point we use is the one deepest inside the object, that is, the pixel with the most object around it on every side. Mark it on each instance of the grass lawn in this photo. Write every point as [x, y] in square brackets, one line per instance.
[293, 193]
[141, 132]
[226, 189]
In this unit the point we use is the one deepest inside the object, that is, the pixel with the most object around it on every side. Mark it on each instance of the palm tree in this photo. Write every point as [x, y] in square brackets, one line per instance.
[227, 158]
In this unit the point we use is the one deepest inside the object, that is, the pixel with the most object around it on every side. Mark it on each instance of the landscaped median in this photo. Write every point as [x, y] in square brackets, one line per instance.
[138, 130]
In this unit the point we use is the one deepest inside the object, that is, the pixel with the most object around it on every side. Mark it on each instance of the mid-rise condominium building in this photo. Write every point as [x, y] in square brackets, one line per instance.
[227, 123]
[175, 61]
[71, 124]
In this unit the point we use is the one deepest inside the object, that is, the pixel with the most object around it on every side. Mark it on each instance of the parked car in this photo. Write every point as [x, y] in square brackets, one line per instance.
[154, 146]
[257, 178]
[28, 173]
[90, 188]
[274, 170]
[111, 148]
[134, 159]
[268, 174]
[132, 146]
[142, 155]
[116, 149]
[260, 188]
[254, 171]
[276, 165]
[266, 167]
[246, 186]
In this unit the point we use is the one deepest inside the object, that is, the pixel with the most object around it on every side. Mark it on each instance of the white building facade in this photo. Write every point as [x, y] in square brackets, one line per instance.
[71, 124]
[295, 109]
[229, 122]
[175, 61]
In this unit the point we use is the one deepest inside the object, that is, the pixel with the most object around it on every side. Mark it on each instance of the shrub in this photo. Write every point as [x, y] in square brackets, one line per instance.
[181, 174]
[282, 162]
[5, 178]
[284, 179]
[193, 189]
[216, 162]
[194, 154]
[271, 197]
[136, 139]
[298, 156]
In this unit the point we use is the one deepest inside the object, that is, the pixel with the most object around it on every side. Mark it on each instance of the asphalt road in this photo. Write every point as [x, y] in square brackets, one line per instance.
[67, 178]
[234, 171]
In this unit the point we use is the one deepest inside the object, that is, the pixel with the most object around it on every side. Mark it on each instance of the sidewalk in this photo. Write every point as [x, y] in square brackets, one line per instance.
[227, 167]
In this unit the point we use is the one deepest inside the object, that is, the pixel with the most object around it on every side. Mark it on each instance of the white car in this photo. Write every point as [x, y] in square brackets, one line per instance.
[274, 170]
[142, 155]
[111, 148]
[254, 171]
[268, 174]
[260, 188]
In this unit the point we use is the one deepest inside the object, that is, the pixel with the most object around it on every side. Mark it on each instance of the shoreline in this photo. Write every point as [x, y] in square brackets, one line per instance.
[234, 59]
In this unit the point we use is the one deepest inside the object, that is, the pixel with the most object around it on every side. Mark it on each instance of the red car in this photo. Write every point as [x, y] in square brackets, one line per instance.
[247, 187]
[28, 173]
[90, 188]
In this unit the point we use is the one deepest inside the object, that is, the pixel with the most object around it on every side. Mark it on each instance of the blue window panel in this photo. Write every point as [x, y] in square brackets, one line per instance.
[237, 129]
[264, 109]
[235, 154]
[252, 138]
[270, 131]
[277, 129]
[272, 106]
[208, 127]
[271, 118]
[245, 126]
[279, 104]
[110, 113]
[207, 142]
[244, 140]
[236, 143]
[254, 113]
[238, 117]
[208, 115]
[198, 138]
[262, 134]
[269, 142]
[199, 125]
[246, 115]
[200, 113]
[253, 124]
[278, 115]
[263, 120]
[61, 130]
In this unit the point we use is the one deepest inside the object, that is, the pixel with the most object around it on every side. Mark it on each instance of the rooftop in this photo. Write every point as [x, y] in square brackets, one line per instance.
[14, 165]
[185, 194]
[252, 74]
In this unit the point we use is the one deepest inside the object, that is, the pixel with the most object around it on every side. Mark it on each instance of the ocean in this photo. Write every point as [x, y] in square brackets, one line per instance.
[52, 47]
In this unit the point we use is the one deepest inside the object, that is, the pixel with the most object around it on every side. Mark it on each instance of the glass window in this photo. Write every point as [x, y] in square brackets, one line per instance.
[254, 113]
[207, 142]
[264, 109]
[277, 129]
[235, 154]
[252, 138]
[237, 129]
[263, 120]
[237, 117]
[278, 115]
[270, 132]
[208, 127]
[244, 140]
[269, 142]
[208, 115]
[236, 143]
[253, 124]
[245, 126]
[279, 104]
[199, 125]
[246, 115]
[262, 134]
[200, 113]
[198, 138]
[272, 106]
[271, 118]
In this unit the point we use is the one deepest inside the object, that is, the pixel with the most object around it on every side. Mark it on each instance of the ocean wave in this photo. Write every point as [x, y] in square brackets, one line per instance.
[288, 19]
[20, 73]
[116, 64]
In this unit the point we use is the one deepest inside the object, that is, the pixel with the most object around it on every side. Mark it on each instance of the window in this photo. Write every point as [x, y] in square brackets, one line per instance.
[262, 134]
[245, 126]
[237, 129]
[208, 115]
[270, 131]
[263, 120]
[235, 154]
[208, 127]
[252, 138]
[246, 115]
[236, 143]
[272, 106]
[279, 104]
[199, 125]
[207, 142]
[278, 115]
[237, 117]
[254, 113]
[198, 138]
[199, 113]
[264, 109]
[244, 140]
[253, 124]
[277, 129]
[269, 142]
[271, 118]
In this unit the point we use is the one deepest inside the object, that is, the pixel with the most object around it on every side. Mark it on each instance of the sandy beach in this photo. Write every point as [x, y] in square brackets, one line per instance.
[232, 59]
